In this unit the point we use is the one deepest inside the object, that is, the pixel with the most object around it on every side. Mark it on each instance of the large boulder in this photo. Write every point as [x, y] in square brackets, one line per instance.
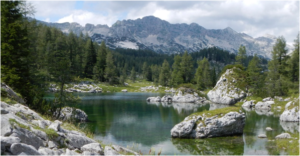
[6, 142]
[185, 98]
[291, 112]
[154, 99]
[23, 149]
[77, 141]
[93, 148]
[231, 123]
[69, 113]
[110, 151]
[226, 90]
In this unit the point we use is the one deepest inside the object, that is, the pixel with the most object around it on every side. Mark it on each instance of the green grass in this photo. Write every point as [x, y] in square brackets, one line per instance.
[218, 112]
[8, 100]
[13, 122]
[291, 148]
[255, 98]
[72, 127]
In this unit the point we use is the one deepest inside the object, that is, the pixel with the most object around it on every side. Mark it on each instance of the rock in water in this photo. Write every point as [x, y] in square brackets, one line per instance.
[231, 123]
[226, 90]
[269, 129]
[154, 99]
[262, 135]
[283, 136]
[69, 113]
[291, 112]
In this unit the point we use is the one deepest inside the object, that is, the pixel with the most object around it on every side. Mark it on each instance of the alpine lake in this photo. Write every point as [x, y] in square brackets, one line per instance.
[128, 120]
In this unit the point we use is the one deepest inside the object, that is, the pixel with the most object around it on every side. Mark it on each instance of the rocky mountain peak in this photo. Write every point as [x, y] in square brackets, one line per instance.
[161, 36]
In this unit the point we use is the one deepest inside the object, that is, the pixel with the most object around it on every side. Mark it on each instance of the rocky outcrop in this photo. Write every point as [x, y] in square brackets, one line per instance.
[291, 112]
[82, 87]
[193, 126]
[69, 113]
[145, 33]
[283, 136]
[5, 89]
[179, 97]
[226, 90]
[149, 88]
[24, 132]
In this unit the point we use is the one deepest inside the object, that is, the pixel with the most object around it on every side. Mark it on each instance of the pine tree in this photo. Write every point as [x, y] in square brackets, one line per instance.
[164, 75]
[101, 60]
[90, 60]
[203, 74]
[133, 75]
[293, 63]
[186, 66]
[254, 75]
[110, 73]
[176, 77]
[276, 83]
[241, 56]
[14, 49]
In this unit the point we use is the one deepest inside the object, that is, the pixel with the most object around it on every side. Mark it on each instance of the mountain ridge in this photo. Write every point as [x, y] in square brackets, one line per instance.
[161, 36]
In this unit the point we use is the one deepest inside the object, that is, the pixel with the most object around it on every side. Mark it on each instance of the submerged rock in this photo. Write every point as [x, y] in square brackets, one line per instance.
[231, 123]
[226, 90]
[283, 136]
[262, 135]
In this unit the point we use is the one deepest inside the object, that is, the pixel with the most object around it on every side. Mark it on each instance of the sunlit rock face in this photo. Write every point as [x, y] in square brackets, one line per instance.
[163, 37]
[231, 123]
[226, 90]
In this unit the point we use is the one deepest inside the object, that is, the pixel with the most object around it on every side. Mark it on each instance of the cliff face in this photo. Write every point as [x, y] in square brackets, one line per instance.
[162, 37]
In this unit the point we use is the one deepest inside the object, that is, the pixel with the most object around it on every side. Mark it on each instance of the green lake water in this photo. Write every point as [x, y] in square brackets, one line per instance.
[126, 119]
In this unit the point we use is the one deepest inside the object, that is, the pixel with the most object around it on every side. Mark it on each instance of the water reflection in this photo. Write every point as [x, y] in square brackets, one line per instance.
[126, 118]
[211, 146]
[291, 127]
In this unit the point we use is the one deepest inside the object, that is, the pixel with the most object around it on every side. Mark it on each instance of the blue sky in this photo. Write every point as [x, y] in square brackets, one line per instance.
[253, 17]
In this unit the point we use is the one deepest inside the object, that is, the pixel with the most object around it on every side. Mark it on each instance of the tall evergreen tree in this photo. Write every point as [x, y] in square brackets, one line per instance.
[293, 63]
[133, 75]
[186, 66]
[110, 69]
[101, 60]
[176, 77]
[14, 49]
[203, 74]
[254, 75]
[241, 56]
[164, 75]
[90, 59]
[276, 84]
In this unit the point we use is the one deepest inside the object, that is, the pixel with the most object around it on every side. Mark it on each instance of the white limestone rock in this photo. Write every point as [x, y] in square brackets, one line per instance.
[77, 141]
[283, 136]
[269, 129]
[47, 151]
[6, 142]
[110, 151]
[21, 148]
[230, 124]
[154, 99]
[183, 129]
[264, 105]
[291, 112]
[225, 91]
[262, 135]
[93, 148]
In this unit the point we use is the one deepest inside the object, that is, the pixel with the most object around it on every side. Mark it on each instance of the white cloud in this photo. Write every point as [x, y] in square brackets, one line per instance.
[254, 17]
[83, 17]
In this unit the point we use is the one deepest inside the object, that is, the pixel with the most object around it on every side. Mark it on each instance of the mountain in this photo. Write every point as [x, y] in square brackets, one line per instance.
[160, 36]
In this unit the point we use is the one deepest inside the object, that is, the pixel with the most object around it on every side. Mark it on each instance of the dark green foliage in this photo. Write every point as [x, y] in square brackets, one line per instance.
[186, 66]
[255, 76]
[276, 82]
[90, 60]
[241, 56]
[164, 75]
[15, 49]
[176, 77]
[101, 61]
[133, 75]
[110, 73]
[203, 74]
